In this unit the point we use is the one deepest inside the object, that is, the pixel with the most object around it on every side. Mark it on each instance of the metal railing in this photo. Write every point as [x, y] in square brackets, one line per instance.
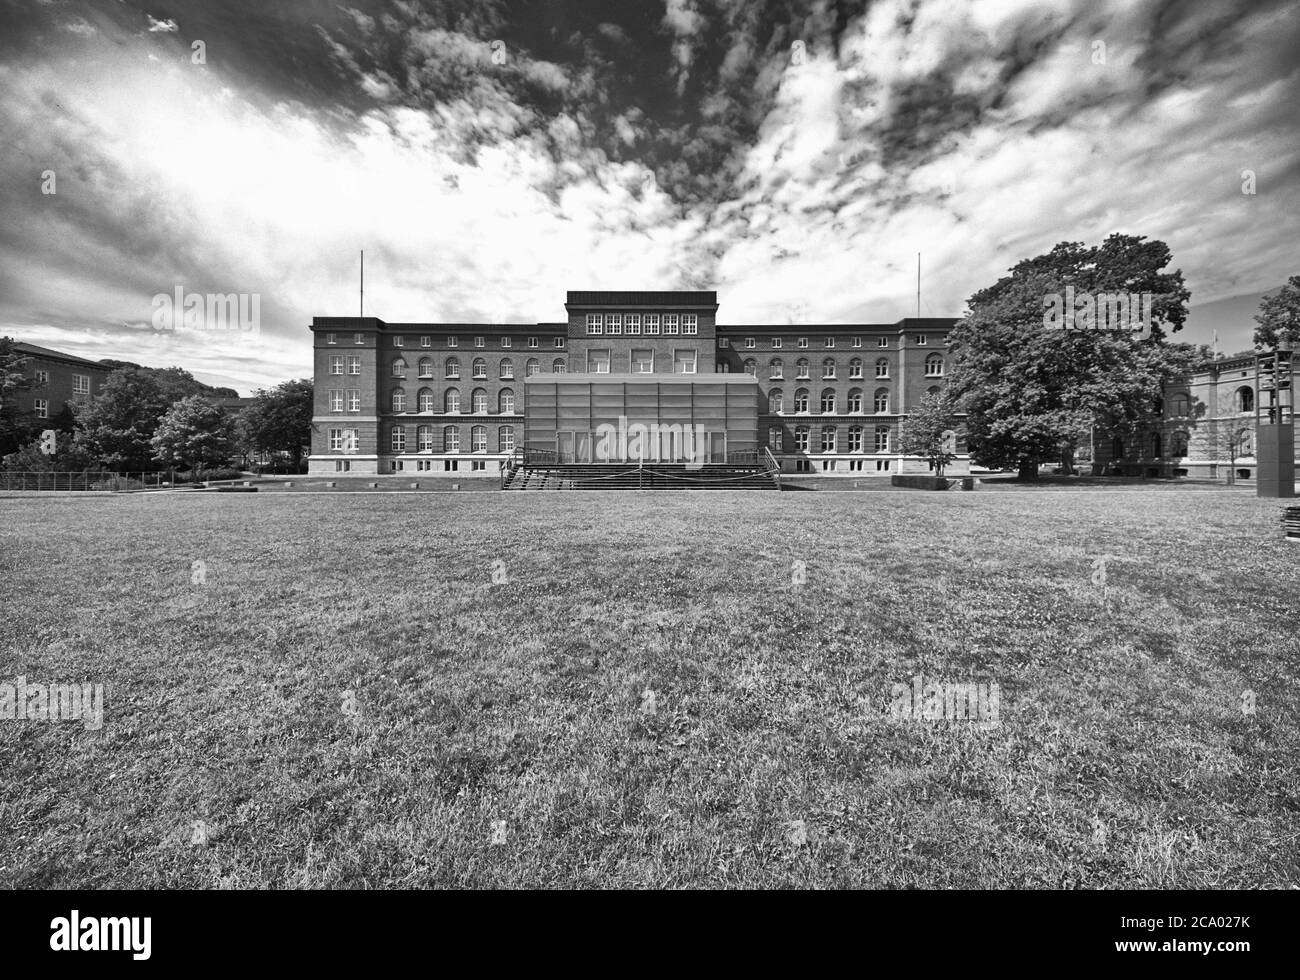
[85, 480]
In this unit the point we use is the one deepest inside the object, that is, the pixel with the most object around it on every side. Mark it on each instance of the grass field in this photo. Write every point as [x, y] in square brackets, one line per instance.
[645, 696]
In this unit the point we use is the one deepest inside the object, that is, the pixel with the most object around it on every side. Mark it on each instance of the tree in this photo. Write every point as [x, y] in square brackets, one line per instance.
[32, 457]
[195, 432]
[1031, 393]
[15, 426]
[117, 426]
[279, 420]
[928, 431]
[1279, 317]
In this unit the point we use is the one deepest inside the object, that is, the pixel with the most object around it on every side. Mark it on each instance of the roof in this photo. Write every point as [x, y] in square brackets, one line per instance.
[670, 298]
[55, 355]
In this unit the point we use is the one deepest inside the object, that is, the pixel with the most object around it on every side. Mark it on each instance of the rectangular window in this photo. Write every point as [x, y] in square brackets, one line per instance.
[354, 399]
[723, 342]
[42, 408]
[690, 323]
[343, 440]
[336, 364]
[671, 323]
[451, 440]
[399, 341]
[828, 439]
[882, 341]
[803, 342]
[632, 322]
[81, 384]
[855, 440]
[477, 464]
[595, 325]
[505, 343]
[42, 377]
[830, 341]
[354, 364]
[336, 399]
[652, 324]
[358, 338]
[643, 362]
[478, 439]
[331, 338]
[857, 341]
[776, 343]
[614, 324]
[883, 465]
[532, 343]
[480, 342]
[453, 341]
[774, 438]
[920, 340]
[399, 439]
[426, 341]
[684, 362]
[882, 438]
[450, 465]
[342, 465]
[598, 361]
[507, 439]
[801, 437]
[750, 343]
[559, 343]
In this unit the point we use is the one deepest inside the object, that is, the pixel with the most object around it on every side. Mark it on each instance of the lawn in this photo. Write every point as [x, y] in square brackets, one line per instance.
[633, 690]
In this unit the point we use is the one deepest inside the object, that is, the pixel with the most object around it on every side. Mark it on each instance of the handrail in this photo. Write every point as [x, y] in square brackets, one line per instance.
[773, 467]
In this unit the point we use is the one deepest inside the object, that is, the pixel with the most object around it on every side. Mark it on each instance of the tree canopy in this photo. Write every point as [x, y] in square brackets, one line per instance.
[1279, 317]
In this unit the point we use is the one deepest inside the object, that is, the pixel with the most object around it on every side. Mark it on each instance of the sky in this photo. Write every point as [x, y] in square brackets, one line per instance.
[489, 157]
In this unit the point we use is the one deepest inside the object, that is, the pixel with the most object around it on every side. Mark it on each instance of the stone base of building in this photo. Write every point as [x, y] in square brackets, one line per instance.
[424, 465]
[858, 466]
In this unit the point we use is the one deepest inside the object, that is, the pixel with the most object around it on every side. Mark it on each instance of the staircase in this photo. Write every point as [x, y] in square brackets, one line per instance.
[760, 474]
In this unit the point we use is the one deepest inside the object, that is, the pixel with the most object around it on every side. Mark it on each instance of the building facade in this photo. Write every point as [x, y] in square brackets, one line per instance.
[460, 398]
[60, 379]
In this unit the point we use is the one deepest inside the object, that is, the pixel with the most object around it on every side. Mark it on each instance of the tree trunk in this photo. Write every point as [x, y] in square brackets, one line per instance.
[1028, 470]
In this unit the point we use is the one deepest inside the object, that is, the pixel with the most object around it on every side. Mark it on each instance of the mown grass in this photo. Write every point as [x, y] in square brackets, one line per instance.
[503, 736]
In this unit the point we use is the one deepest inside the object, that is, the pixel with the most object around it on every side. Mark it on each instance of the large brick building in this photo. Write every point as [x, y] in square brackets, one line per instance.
[460, 398]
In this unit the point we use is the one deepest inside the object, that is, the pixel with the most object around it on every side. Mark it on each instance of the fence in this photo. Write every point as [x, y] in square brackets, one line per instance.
[85, 480]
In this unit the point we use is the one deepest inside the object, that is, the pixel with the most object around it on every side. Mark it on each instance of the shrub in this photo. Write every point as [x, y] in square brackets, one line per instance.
[920, 482]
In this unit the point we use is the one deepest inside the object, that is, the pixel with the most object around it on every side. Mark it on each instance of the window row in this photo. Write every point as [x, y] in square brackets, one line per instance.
[478, 367]
[451, 401]
[803, 368]
[778, 343]
[828, 439]
[427, 341]
[1177, 446]
[828, 403]
[601, 361]
[635, 324]
[478, 439]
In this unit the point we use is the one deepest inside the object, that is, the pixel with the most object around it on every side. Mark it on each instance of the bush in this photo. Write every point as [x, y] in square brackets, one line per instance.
[215, 473]
[117, 483]
[920, 482]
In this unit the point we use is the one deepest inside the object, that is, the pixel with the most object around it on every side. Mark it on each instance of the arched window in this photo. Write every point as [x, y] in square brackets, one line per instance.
[507, 368]
[506, 439]
[1178, 444]
[933, 390]
[881, 401]
[882, 367]
[398, 439]
[828, 401]
[855, 401]
[451, 400]
[775, 369]
[426, 367]
[751, 367]
[453, 367]
[801, 437]
[478, 400]
[1181, 406]
[478, 439]
[828, 368]
[480, 367]
[802, 368]
[855, 367]
[934, 366]
[425, 400]
[828, 438]
[1155, 445]
[531, 367]
[451, 439]
[855, 439]
[399, 400]
[774, 398]
[1245, 399]
[801, 400]
[399, 368]
[558, 366]
[424, 438]
[721, 367]
[506, 401]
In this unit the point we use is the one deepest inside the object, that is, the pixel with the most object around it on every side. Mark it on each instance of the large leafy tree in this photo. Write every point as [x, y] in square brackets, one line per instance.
[279, 420]
[15, 427]
[1279, 317]
[175, 382]
[1031, 394]
[116, 427]
[194, 433]
[923, 432]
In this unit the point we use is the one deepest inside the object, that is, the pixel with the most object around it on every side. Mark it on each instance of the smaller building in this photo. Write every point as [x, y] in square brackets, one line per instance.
[61, 380]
